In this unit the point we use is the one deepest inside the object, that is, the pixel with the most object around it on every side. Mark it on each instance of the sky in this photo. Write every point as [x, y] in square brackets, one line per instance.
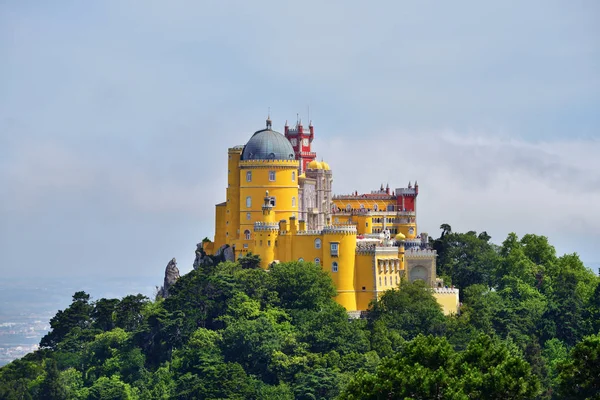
[116, 116]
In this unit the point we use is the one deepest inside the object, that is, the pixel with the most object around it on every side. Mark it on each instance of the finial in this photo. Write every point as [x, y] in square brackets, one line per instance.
[286, 123]
[269, 123]
[409, 185]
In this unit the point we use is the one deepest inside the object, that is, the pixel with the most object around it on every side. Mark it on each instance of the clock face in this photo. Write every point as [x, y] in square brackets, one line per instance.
[305, 142]
[294, 142]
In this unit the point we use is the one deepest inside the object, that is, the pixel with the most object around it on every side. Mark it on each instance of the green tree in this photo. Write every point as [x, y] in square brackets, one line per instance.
[300, 285]
[77, 315]
[111, 388]
[579, 377]
[52, 388]
[129, 312]
[411, 310]
[249, 261]
[419, 371]
[103, 313]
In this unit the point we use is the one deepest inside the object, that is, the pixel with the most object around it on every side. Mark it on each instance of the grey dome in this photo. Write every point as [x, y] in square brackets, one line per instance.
[268, 145]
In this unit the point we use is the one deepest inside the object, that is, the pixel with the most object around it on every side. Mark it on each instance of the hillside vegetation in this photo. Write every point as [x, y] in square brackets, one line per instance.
[528, 329]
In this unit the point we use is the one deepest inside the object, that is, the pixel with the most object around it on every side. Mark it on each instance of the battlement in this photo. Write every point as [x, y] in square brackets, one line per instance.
[346, 229]
[269, 163]
[445, 290]
[365, 211]
[309, 232]
[406, 191]
[265, 226]
[420, 253]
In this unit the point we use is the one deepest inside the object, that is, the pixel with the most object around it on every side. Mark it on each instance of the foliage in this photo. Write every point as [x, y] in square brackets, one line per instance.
[527, 328]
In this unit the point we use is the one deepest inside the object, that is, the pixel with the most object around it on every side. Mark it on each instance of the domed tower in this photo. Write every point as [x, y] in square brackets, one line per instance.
[267, 163]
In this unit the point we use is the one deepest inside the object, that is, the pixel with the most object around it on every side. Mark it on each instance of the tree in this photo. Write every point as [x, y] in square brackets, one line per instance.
[300, 285]
[579, 377]
[111, 388]
[77, 315]
[420, 371]
[129, 311]
[52, 387]
[103, 313]
[249, 261]
[411, 310]
[467, 258]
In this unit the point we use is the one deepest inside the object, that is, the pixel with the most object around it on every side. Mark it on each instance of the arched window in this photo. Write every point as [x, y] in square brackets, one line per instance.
[293, 202]
[334, 267]
[247, 234]
[301, 259]
[317, 243]
[317, 261]
[248, 201]
[248, 216]
[272, 176]
[348, 207]
[293, 176]
[248, 176]
[375, 207]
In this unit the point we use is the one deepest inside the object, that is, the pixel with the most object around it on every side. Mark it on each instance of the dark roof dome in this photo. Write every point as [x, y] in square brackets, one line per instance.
[268, 145]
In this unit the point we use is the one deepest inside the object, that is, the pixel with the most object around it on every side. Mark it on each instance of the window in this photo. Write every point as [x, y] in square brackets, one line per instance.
[248, 216]
[272, 176]
[269, 243]
[293, 176]
[293, 202]
[272, 201]
[248, 176]
[379, 281]
[247, 234]
[375, 207]
[348, 207]
[248, 202]
[334, 267]
[334, 249]
[301, 259]
[317, 261]
[385, 280]
[317, 243]
[245, 245]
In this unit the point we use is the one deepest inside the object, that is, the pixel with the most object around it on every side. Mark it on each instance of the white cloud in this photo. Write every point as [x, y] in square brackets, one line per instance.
[481, 182]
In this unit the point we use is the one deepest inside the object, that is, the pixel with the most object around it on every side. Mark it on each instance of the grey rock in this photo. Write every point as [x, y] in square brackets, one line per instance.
[171, 276]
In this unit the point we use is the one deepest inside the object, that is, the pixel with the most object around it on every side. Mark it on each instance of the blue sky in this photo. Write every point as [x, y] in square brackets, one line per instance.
[116, 116]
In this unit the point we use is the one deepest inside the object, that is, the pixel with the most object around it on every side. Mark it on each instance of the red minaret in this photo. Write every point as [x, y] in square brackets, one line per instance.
[301, 141]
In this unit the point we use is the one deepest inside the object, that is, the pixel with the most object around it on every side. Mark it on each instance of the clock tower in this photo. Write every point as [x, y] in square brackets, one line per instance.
[301, 140]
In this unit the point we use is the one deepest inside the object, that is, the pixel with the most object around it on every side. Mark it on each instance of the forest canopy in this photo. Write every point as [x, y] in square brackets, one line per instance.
[528, 328]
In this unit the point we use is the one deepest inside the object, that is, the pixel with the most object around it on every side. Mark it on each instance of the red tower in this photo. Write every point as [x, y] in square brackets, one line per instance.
[301, 141]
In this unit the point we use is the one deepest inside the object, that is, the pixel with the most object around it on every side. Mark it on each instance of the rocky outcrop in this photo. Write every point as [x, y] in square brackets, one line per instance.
[171, 276]
[202, 259]
[226, 252]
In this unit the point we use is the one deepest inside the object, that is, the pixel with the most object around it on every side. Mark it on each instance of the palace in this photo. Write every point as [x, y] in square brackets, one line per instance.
[279, 205]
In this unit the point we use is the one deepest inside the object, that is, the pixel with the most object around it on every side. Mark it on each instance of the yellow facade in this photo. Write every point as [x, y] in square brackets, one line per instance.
[361, 244]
